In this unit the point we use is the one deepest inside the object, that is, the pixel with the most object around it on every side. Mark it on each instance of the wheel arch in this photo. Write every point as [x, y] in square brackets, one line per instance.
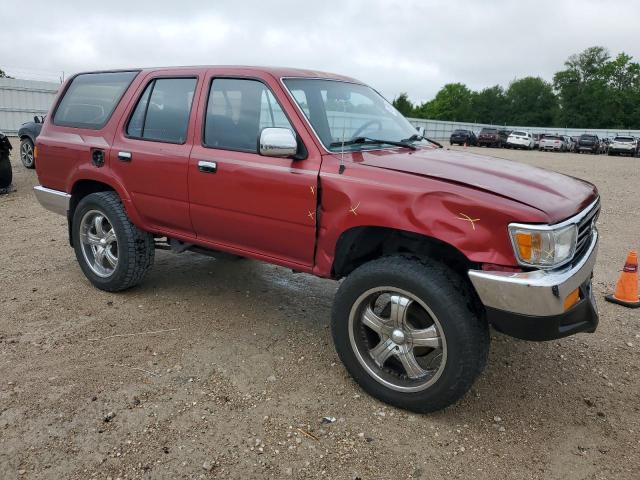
[83, 186]
[361, 244]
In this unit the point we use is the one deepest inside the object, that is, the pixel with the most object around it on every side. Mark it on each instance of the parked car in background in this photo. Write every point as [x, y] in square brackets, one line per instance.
[492, 137]
[570, 144]
[575, 143]
[553, 142]
[462, 137]
[6, 174]
[626, 145]
[588, 143]
[536, 139]
[28, 133]
[520, 139]
[432, 246]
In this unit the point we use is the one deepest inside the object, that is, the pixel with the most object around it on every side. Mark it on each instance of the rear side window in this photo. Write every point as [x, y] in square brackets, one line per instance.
[237, 111]
[91, 98]
[162, 112]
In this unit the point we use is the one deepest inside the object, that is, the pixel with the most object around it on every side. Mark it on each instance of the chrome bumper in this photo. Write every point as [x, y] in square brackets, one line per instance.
[53, 200]
[538, 293]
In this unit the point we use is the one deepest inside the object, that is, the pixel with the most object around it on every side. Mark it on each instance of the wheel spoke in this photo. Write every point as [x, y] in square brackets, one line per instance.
[428, 337]
[99, 257]
[374, 322]
[110, 237]
[111, 258]
[97, 224]
[399, 308]
[382, 351]
[90, 238]
[411, 365]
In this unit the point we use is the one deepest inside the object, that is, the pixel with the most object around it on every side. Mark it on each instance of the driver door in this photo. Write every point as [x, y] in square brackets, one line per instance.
[243, 201]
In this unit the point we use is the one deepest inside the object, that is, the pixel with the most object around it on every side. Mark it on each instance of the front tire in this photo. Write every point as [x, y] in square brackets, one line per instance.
[409, 332]
[26, 153]
[112, 252]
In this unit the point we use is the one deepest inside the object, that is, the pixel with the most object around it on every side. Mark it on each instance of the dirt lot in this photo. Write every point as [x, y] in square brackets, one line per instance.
[242, 370]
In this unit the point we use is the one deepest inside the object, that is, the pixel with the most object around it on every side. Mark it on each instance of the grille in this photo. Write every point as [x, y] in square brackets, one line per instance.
[585, 230]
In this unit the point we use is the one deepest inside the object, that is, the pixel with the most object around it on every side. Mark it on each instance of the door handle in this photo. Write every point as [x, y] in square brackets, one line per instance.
[124, 156]
[207, 167]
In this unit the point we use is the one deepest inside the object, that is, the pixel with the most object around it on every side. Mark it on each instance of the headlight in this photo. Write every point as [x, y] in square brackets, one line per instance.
[543, 246]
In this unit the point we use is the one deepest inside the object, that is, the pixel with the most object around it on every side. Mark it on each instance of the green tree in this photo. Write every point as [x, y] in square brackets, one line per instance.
[582, 89]
[489, 105]
[530, 102]
[452, 102]
[403, 104]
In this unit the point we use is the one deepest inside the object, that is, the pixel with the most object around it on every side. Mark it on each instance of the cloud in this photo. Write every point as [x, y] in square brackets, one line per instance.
[411, 45]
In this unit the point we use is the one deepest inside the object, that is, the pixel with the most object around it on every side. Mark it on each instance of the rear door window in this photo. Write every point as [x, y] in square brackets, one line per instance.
[162, 112]
[91, 98]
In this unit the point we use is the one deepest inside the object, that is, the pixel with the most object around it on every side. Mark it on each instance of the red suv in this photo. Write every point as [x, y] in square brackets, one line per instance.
[319, 173]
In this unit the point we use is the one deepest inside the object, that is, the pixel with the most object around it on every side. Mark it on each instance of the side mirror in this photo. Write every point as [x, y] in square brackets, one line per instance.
[36, 119]
[277, 142]
[421, 131]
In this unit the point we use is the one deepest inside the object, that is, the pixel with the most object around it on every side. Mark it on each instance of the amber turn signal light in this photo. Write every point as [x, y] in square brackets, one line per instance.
[571, 299]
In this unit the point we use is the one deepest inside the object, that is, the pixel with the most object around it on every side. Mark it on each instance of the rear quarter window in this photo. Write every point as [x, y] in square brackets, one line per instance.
[91, 98]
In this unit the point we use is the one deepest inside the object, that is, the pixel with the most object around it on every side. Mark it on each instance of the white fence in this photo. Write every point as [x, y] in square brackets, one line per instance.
[20, 100]
[438, 129]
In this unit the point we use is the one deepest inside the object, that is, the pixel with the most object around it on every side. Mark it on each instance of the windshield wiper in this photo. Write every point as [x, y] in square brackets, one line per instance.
[415, 137]
[358, 140]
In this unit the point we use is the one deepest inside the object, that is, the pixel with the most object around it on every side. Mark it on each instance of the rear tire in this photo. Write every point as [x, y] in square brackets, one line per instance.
[435, 297]
[26, 153]
[112, 252]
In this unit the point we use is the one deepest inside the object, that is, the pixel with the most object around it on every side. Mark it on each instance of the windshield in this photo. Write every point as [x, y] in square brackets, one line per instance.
[623, 139]
[342, 111]
[488, 130]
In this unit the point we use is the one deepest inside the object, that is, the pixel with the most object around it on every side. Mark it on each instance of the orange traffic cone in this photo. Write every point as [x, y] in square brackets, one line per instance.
[626, 292]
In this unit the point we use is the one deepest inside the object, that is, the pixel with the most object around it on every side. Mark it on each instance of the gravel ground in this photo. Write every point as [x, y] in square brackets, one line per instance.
[242, 370]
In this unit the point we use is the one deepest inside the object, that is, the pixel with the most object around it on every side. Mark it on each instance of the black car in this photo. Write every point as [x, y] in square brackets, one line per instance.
[462, 137]
[588, 143]
[492, 137]
[28, 133]
[6, 174]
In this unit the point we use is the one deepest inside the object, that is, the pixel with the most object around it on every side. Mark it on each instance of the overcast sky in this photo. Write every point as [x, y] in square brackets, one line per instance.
[413, 46]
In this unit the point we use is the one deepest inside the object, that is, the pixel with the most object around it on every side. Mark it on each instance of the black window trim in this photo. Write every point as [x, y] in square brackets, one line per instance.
[70, 82]
[135, 105]
[302, 149]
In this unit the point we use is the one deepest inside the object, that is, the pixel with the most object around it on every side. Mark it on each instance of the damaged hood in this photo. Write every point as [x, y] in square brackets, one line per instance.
[559, 196]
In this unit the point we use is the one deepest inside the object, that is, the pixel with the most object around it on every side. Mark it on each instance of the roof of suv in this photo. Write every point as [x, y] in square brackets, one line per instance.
[277, 72]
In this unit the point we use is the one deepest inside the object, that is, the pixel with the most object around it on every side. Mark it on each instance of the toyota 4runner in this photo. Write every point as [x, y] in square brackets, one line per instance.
[319, 173]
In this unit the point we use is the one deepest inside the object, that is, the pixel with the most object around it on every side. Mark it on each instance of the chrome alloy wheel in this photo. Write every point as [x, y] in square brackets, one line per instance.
[26, 154]
[99, 243]
[397, 339]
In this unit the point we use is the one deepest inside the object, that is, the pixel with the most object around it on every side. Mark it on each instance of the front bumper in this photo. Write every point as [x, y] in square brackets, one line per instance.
[530, 305]
[53, 200]
[627, 151]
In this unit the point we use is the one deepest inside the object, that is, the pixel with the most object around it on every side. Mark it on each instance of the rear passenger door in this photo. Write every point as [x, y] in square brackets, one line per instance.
[264, 206]
[151, 150]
